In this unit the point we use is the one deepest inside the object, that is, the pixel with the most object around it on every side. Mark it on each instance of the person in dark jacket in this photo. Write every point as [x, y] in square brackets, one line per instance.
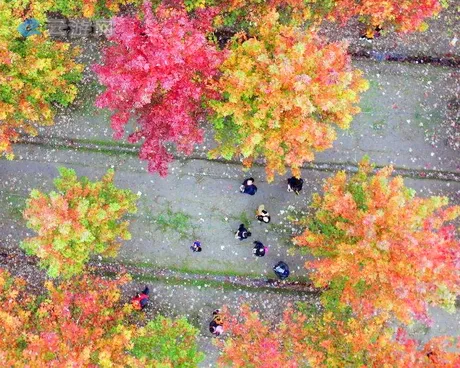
[141, 300]
[295, 185]
[196, 247]
[216, 326]
[259, 249]
[248, 187]
[242, 233]
[281, 270]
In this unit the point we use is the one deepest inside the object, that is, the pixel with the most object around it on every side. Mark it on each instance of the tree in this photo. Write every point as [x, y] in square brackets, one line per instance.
[35, 73]
[78, 323]
[339, 338]
[157, 72]
[81, 322]
[79, 220]
[381, 246]
[404, 15]
[14, 317]
[90, 8]
[70, 8]
[167, 343]
[327, 338]
[252, 342]
[284, 91]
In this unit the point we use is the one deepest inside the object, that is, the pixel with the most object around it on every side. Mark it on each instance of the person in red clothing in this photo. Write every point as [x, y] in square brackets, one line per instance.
[140, 301]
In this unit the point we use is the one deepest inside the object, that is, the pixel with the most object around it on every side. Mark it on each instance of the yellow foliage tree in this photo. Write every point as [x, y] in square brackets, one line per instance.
[284, 92]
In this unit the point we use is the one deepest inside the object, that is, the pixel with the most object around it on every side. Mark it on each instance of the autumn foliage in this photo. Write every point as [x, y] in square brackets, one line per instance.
[252, 342]
[157, 73]
[81, 219]
[285, 91]
[78, 323]
[70, 8]
[327, 338]
[35, 73]
[13, 316]
[164, 342]
[404, 15]
[386, 249]
[82, 322]
[339, 340]
[90, 8]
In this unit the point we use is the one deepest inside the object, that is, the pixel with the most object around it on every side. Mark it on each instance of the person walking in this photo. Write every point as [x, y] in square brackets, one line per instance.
[140, 301]
[281, 270]
[248, 187]
[242, 233]
[216, 326]
[295, 185]
[259, 249]
[262, 215]
[371, 33]
[196, 247]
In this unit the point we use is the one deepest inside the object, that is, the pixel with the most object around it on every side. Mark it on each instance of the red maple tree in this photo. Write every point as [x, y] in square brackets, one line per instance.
[157, 72]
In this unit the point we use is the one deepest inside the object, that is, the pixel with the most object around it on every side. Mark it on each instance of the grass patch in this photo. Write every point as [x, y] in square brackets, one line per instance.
[245, 219]
[379, 124]
[185, 270]
[107, 143]
[151, 265]
[211, 284]
[173, 222]
[15, 204]
[242, 218]
[106, 151]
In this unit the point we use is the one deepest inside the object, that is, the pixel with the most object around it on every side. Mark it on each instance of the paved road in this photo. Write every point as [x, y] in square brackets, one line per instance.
[205, 191]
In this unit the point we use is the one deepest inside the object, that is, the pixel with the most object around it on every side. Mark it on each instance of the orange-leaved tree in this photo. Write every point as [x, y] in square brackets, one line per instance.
[13, 315]
[253, 342]
[82, 322]
[285, 90]
[404, 15]
[327, 338]
[77, 323]
[334, 335]
[81, 219]
[294, 11]
[383, 247]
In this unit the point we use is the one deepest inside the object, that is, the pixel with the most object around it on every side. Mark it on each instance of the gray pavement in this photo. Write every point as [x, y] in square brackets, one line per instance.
[205, 191]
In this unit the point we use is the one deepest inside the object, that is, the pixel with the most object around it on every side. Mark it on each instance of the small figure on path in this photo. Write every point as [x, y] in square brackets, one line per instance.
[140, 301]
[259, 249]
[242, 233]
[295, 185]
[217, 323]
[196, 247]
[248, 187]
[262, 215]
[281, 270]
[370, 33]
